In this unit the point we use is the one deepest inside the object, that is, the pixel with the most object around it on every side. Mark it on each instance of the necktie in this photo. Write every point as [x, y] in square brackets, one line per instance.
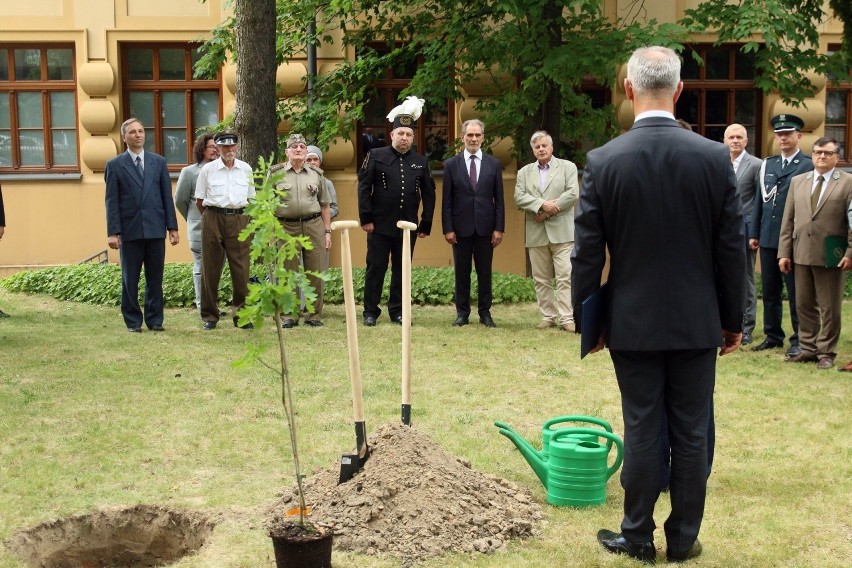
[139, 167]
[473, 172]
[815, 195]
[784, 163]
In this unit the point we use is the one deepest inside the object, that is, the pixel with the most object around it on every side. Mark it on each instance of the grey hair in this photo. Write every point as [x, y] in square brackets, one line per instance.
[540, 134]
[127, 122]
[467, 123]
[654, 70]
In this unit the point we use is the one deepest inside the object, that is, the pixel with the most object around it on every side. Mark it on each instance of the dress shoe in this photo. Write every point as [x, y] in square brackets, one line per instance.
[397, 320]
[4, 314]
[747, 340]
[134, 329]
[767, 344]
[545, 324]
[289, 323]
[487, 321]
[570, 327]
[847, 368]
[801, 358]
[793, 351]
[208, 325]
[460, 321]
[617, 544]
[249, 325]
[313, 323]
[684, 555]
[369, 321]
[825, 363]
[156, 328]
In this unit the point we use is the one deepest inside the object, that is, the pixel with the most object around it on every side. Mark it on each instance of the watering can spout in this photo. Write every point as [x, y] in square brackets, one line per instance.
[532, 455]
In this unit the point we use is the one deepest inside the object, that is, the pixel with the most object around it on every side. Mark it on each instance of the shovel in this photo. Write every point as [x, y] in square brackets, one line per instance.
[406, 319]
[350, 464]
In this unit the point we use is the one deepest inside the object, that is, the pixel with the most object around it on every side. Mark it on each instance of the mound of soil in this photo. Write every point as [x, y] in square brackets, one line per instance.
[414, 501]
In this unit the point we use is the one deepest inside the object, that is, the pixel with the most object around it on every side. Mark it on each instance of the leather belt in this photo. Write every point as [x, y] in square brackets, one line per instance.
[301, 219]
[225, 210]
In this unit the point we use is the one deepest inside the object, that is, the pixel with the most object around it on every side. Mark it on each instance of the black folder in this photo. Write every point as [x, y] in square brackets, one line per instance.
[593, 318]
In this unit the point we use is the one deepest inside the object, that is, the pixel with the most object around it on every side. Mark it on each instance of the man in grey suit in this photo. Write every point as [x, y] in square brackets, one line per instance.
[139, 211]
[473, 219]
[746, 167]
[664, 202]
[546, 191]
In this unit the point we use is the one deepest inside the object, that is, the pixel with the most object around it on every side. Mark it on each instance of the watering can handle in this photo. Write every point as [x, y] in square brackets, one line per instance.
[577, 418]
[568, 432]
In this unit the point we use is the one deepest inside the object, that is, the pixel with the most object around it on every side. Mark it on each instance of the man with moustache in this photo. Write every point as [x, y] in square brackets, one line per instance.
[140, 211]
[223, 189]
[473, 219]
[746, 167]
[392, 183]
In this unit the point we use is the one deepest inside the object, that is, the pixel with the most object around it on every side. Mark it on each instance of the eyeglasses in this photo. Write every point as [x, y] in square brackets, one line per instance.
[826, 153]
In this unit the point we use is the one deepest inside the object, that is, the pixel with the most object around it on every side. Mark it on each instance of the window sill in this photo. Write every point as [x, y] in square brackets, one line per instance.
[42, 176]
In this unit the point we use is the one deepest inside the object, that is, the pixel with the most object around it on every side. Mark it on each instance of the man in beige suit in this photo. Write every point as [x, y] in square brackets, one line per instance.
[816, 208]
[547, 191]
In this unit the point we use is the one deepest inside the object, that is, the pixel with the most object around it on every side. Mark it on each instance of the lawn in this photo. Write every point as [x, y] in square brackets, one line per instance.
[92, 416]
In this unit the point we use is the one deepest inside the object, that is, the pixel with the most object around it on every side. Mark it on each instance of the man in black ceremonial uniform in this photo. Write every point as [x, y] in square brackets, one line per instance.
[392, 183]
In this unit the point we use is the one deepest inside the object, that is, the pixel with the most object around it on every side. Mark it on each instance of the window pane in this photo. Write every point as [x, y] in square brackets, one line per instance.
[142, 107]
[689, 69]
[744, 66]
[29, 110]
[205, 109]
[27, 65]
[835, 107]
[60, 65]
[716, 133]
[839, 134]
[687, 107]
[172, 65]
[32, 148]
[174, 109]
[745, 109]
[436, 143]
[717, 64]
[64, 147]
[716, 109]
[174, 145]
[4, 64]
[5, 147]
[140, 64]
[5, 120]
[751, 133]
[62, 110]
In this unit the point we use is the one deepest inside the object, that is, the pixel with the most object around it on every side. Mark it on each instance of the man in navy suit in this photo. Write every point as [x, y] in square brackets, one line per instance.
[664, 202]
[473, 219]
[139, 211]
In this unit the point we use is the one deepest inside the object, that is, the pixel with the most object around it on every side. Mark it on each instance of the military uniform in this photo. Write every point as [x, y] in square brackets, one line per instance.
[765, 226]
[300, 213]
[391, 187]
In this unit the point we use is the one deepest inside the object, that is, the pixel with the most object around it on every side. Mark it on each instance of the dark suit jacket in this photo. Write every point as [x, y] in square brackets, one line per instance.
[137, 210]
[765, 225]
[469, 212]
[664, 201]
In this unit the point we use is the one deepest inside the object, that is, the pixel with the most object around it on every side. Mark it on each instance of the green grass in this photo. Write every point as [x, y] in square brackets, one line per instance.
[91, 415]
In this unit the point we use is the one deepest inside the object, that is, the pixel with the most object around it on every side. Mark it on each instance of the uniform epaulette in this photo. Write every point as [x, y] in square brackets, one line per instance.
[277, 167]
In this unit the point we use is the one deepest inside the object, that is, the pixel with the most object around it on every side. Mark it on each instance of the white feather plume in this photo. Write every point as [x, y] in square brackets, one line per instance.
[412, 106]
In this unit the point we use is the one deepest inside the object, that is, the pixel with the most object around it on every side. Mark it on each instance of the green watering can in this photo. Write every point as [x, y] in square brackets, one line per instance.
[551, 426]
[576, 469]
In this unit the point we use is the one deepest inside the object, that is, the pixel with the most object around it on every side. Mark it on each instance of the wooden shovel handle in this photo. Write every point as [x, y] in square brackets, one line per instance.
[351, 324]
[406, 227]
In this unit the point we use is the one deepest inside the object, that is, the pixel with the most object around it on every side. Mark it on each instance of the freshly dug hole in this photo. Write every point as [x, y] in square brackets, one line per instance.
[134, 537]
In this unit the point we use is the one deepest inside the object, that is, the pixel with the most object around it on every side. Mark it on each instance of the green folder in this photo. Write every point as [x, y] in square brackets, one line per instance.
[835, 248]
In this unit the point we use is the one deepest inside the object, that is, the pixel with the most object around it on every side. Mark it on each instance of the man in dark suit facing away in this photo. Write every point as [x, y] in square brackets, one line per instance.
[664, 202]
[140, 210]
[473, 219]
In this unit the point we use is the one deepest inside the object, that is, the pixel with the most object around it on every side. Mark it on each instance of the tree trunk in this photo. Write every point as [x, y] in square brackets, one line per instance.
[256, 119]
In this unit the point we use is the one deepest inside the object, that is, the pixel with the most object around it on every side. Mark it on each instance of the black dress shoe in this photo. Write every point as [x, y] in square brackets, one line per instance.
[487, 321]
[684, 555]
[617, 544]
[4, 314]
[156, 328]
[208, 325]
[794, 351]
[767, 344]
[397, 320]
[369, 321]
[313, 323]
[289, 323]
[747, 340]
[460, 321]
[249, 325]
[134, 329]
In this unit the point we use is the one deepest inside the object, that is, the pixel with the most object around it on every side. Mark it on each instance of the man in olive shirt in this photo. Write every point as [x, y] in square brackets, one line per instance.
[305, 211]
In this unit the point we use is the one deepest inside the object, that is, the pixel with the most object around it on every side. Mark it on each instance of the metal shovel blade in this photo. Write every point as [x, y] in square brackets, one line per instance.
[350, 464]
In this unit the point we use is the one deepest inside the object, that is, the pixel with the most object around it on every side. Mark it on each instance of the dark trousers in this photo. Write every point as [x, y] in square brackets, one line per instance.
[666, 449]
[773, 281]
[379, 249]
[480, 249]
[220, 239]
[150, 253]
[679, 386]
